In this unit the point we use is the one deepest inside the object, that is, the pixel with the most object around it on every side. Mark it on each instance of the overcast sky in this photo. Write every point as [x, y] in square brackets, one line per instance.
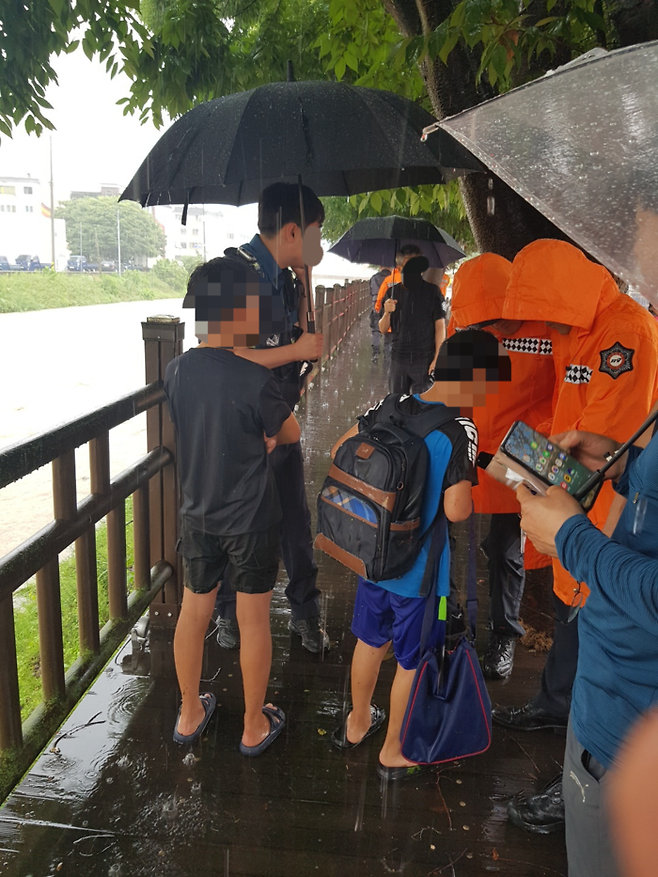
[93, 144]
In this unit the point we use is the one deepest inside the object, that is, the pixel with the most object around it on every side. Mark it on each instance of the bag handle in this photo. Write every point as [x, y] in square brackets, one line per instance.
[439, 532]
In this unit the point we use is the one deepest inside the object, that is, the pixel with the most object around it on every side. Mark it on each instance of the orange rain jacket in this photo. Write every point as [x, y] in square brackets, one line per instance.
[395, 277]
[478, 295]
[607, 366]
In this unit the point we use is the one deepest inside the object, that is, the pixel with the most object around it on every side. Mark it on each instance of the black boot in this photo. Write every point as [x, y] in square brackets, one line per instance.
[539, 813]
[498, 660]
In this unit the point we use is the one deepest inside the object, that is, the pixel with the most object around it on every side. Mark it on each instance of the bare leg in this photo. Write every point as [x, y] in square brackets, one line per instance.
[391, 752]
[196, 612]
[253, 613]
[366, 662]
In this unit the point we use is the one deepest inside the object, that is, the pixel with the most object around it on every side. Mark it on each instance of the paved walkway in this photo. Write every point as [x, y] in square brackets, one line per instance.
[114, 797]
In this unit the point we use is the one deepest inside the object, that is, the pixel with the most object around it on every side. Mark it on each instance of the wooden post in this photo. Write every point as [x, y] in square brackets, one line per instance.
[163, 341]
[51, 648]
[11, 734]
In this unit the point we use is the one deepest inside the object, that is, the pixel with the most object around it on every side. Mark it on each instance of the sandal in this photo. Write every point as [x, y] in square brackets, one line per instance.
[209, 702]
[339, 736]
[277, 719]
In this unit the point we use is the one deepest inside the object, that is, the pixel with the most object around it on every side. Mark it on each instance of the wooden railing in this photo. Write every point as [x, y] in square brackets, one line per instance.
[152, 483]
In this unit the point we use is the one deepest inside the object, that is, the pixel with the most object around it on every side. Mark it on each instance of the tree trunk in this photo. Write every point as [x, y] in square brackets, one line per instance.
[502, 221]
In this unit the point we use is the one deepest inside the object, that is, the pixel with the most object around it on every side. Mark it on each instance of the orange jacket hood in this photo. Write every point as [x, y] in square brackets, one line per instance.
[478, 290]
[554, 281]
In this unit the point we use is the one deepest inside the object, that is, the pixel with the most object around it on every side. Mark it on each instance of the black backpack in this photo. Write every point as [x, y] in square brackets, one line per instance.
[370, 503]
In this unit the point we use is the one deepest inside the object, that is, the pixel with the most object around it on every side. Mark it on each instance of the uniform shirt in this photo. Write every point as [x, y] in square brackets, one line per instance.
[287, 375]
[452, 451]
[412, 321]
[222, 406]
[606, 367]
[617, 676]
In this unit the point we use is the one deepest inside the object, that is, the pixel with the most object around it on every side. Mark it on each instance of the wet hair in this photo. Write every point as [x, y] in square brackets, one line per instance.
[405, 251]
[218, 287]
[471, 349]
[279, 205]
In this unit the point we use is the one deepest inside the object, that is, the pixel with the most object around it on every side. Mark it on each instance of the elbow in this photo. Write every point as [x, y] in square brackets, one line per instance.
[458, 514]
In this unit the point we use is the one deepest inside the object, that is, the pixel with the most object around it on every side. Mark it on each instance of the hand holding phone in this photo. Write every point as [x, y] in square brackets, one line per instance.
[527, 456]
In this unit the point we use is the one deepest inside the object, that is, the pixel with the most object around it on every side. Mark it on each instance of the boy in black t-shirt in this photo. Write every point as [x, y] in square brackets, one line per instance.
[467, 370]
[229, 414]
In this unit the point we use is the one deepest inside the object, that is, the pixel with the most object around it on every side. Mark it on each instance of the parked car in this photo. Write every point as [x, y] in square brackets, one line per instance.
[108, 265]
[29, 263]
[6, 266]
[77, 263]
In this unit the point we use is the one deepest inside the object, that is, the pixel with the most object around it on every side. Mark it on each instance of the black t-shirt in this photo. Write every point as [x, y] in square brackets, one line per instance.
[221, 405]
[461, 432]
[412, 321]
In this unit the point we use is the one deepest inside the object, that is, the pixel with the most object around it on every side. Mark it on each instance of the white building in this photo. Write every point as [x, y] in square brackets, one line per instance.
[210, 229]
[25, 222]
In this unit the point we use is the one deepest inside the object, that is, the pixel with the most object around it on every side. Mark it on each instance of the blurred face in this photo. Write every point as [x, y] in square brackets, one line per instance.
[507, 327]
[471, 394]
[561, 328]
[243, 330]
[312, 251]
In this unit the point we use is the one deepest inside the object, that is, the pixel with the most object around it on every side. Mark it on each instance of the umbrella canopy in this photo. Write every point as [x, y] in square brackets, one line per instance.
[342, 139]
[581, 145]
[377, 240]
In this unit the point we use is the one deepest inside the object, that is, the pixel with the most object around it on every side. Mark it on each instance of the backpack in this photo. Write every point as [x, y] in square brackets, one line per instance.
[370, 502]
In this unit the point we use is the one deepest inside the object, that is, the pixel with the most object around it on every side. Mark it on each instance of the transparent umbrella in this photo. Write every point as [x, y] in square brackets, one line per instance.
[581, 145]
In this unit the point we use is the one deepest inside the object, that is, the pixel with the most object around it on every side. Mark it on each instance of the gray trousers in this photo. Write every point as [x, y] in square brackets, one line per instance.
[585, 786]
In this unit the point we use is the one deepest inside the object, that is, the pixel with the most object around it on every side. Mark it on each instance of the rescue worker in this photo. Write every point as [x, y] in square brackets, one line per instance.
[605, 349]
[477, 301]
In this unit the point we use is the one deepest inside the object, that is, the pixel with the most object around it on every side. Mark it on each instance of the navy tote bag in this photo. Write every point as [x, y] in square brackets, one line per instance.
[449, 711]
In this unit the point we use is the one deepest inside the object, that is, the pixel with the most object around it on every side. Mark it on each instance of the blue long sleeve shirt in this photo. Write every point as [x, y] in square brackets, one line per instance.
[617, 677]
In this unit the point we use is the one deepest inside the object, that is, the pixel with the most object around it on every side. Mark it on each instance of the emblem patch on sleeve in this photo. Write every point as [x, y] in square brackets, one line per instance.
[616, 360]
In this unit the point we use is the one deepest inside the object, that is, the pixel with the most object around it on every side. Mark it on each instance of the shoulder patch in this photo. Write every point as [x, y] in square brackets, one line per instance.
[616, 360]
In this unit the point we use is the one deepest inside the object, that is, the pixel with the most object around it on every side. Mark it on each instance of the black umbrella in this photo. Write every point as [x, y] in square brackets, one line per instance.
[341, 139]
[377, 240]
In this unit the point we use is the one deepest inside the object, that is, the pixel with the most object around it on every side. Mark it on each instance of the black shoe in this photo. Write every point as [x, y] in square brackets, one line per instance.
[375, 357]
[498, 659]
[540, 813]
[526, 718]
[314, 639]
[228, 633]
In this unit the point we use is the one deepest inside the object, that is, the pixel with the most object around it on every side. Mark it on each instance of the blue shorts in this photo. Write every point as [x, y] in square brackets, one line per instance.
[381, 616]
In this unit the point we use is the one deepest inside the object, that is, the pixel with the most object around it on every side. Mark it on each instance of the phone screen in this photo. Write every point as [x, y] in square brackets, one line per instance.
[544, 459]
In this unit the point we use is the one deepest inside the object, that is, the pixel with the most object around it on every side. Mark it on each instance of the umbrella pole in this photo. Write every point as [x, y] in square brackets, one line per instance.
[310, 314]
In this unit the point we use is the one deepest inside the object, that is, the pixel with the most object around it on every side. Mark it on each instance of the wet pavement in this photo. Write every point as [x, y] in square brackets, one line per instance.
[113, 796]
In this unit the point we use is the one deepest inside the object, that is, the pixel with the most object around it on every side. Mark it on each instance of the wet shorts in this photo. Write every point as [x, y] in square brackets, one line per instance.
[381, 616]
[251, 560]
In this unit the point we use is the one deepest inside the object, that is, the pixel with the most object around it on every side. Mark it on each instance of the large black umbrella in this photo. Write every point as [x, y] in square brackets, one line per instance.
[377, 240]
[341, 139]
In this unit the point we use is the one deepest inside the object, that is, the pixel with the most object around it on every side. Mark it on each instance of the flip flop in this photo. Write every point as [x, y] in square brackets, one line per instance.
[277, 719]
[339, 736]
[209, 702]
[395, 774]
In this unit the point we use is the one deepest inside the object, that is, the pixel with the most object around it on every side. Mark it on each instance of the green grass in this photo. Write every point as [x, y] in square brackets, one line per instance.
[25, 615]
[37, 290]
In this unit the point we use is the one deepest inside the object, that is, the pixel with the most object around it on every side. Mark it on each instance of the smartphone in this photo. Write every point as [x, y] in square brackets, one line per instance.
[542, 464]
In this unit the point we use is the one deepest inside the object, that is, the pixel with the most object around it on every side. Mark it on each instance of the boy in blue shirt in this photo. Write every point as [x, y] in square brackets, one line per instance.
[468, 368]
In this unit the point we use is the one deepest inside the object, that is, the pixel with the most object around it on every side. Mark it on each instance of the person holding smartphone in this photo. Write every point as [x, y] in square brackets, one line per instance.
[617, 676]
[605, 350]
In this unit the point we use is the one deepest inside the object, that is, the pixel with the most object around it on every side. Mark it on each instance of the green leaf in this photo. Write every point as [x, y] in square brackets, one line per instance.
[339, 69]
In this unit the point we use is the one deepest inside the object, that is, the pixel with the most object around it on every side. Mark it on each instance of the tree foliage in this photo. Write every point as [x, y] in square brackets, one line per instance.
[447, 54]
[91, 223]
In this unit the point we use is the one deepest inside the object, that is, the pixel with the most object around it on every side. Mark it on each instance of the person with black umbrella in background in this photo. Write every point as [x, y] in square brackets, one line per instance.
[279, 247]
[417, 325]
